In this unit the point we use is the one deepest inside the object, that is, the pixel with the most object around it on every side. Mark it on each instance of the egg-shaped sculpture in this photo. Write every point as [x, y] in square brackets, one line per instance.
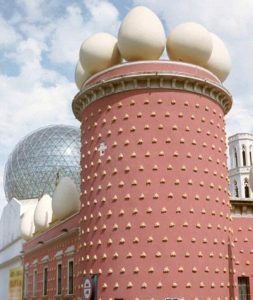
[219, 62]
[190, 42]
[80, 75]
[65, 201]
[43, 213]
[141, 35]
[27, 227]
[98, 52]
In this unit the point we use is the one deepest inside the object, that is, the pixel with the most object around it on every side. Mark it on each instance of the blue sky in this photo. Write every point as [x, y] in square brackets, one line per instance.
[39, 46]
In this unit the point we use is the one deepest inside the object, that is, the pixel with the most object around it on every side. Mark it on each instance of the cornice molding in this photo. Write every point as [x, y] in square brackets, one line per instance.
[151, 80]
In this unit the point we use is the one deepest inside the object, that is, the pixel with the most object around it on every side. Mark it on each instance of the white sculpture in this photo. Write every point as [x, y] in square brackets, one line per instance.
[219, 62]
[191, 43]
[99, 52]
[27, 227]
[80, 75]
[66, 200]
[141, 35]
[43, 213]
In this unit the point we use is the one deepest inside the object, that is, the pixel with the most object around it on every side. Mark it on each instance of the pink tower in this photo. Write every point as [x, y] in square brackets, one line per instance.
[154, 220]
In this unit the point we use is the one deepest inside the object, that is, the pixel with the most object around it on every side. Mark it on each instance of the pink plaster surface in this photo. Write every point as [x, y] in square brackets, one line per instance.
[157, 201]
[147, 66]
[53, 232]
[243, 248]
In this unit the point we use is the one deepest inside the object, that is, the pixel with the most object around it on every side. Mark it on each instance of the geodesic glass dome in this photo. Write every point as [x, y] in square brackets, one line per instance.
[40, 159]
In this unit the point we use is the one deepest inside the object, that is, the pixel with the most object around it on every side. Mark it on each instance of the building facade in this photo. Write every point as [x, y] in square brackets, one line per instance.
[156, 220]
[50, 262]
[11, 244]
[32, 169]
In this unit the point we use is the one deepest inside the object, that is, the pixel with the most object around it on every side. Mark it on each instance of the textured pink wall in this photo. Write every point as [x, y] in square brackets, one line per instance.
[34, 251]
[155, 212]
[243, 249]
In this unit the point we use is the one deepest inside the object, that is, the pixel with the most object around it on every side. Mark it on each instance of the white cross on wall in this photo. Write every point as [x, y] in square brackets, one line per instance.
[102, 148]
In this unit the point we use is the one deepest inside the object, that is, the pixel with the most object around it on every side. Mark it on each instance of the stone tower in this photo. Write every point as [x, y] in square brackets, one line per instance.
[241, 158]
[155, 204]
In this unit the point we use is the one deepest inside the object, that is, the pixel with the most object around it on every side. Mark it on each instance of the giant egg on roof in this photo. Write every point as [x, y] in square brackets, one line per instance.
[80, 75]
[66, 200]
[27, 227]
[190, 42]
[219, 62]
[98, 52]
[43, 213]
[141, 35]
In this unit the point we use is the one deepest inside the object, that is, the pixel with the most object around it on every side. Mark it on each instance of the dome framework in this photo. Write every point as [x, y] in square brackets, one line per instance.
[40, 159]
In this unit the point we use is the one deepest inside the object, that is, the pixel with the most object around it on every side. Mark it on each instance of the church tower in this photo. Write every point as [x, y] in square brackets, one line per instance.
[241, 159]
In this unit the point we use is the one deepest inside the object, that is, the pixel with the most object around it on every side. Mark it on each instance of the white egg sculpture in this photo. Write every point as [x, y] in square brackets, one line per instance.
[43, 213]
[27, 227]
[190, 42]
[80, 75]
[219, 62]
[99, 52]
[141, 35]
[66, 199]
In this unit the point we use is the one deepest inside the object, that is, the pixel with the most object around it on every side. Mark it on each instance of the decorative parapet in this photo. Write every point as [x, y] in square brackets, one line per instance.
[241, 136]
[239, 170]
[241, 208]
[152, 80]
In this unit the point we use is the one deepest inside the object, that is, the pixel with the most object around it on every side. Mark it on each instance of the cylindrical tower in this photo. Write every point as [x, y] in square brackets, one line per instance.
[155, 207]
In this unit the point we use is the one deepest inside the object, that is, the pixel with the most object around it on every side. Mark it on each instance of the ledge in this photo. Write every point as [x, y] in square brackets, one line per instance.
[241, 208]
[152, 80]
[68, 297]
[242, 135]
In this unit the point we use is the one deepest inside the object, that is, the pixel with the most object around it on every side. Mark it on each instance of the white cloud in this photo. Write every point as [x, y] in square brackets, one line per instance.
[77, 24]
[8, 35]
[33, 9]
[67, 36]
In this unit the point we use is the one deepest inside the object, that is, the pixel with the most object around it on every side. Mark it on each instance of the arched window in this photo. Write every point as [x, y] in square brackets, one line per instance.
[246, 187]
[250, 155]
[236, 159]
[243, 155]
[236, 189]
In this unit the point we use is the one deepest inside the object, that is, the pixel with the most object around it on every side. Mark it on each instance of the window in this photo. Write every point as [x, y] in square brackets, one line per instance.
[250, 155]
[236, 189]
[70, 277]
[246, 187]
[45, 278]
[35, 275]
[243, 156]
[94, 287]
[59, 279]
[243, 287]
[236, 159]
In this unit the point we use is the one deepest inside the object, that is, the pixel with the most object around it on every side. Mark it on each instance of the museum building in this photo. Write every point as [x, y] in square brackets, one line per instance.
[154, 218]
